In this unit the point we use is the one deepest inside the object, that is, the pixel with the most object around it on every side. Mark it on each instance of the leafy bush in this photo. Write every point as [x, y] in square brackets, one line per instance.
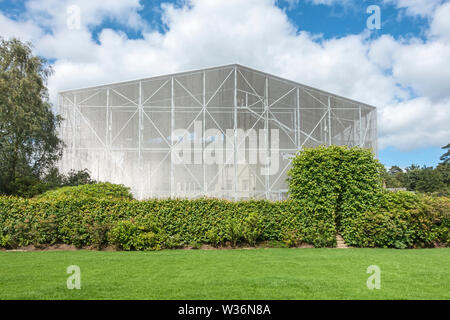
[348, 181]
[101, 190]
[252, 228]
[440, 208]
[156, 224]
[401, 220]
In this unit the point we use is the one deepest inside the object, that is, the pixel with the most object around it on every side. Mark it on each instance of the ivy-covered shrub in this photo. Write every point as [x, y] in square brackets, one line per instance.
[100, 190]
[345, 179]
[155, 224]
[348, 180]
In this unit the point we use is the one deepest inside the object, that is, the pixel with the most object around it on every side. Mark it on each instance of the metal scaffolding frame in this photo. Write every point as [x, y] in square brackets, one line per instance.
[124, 132]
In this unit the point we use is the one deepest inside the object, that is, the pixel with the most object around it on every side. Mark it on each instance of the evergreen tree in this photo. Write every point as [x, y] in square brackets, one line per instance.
[446, 156]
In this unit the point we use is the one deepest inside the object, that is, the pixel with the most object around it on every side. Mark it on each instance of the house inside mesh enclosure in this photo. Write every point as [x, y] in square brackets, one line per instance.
[226, 132]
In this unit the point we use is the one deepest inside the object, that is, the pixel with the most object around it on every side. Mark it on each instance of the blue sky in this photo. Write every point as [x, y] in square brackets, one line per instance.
[330, 21]
[339, 21]
[413, 98]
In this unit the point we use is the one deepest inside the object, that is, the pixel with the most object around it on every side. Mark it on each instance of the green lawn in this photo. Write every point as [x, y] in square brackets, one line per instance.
[227, 274]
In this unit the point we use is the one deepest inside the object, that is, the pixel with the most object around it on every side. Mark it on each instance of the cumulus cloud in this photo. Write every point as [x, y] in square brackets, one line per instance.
[424, 67]
[294, 3]
[330, 2]
[440, 26]
[415, 123]
[23, 29]
[405, 79]
[422, 8]
[53, 13]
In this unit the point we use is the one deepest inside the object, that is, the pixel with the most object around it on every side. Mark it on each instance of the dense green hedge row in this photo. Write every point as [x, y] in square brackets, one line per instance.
[400, 220]
[333, 189]
[349, 181]
[155, 224]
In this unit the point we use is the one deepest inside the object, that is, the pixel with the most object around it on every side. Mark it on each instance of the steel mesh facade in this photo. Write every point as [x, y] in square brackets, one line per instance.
[123, 133]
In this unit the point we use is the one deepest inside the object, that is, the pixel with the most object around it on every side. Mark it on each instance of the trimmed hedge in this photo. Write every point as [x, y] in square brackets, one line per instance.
[348, 180]
[156, 224]
[345, 179]
[401, 220]
[333, 189]
[102, 190]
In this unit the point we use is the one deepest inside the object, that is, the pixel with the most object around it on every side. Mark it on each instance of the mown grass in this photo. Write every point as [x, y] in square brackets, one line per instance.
[227, 274]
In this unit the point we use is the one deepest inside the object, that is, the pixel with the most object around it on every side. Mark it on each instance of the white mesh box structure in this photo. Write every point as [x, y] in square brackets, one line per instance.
[226, 132]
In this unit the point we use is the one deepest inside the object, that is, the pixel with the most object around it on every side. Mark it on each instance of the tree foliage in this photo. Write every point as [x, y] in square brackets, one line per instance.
[393, 178]
[445, 158]
[29, 145]
[420, 179]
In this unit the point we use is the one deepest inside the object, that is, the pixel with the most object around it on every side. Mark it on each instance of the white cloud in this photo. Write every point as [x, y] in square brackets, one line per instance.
[424, 67]
[293, 3]
[381, 51]
[24, 29]
[53, 13]
[256, 33]
[422, 8]
[414, 123]
[330, 2]
[440, 26]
